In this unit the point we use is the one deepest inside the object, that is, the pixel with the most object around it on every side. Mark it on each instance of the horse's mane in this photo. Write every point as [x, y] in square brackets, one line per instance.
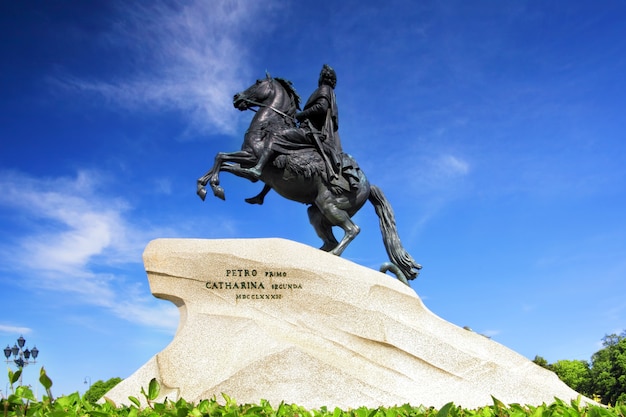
[295, 98]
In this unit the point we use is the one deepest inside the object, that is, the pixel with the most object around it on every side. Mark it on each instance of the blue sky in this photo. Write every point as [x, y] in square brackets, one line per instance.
[496, 130]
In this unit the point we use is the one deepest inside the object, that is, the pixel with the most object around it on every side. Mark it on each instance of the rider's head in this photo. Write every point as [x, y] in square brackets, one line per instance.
[328, 76]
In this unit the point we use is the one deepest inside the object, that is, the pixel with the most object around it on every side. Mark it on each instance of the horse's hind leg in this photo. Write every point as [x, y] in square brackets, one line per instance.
[323, 229]
[351, 231]
[338, 217]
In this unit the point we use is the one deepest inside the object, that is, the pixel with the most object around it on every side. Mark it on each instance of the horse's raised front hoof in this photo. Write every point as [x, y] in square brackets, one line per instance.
[219, 192]
[201, 192]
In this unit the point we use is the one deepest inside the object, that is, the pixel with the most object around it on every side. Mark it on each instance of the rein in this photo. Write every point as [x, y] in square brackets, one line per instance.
[285, 115]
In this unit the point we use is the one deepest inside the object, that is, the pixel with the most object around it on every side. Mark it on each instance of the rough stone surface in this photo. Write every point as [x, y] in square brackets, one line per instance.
[322, 331]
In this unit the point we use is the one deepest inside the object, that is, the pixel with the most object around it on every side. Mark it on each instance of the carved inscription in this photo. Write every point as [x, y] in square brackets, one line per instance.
[241, 272]
[255, 285]
[234, 285]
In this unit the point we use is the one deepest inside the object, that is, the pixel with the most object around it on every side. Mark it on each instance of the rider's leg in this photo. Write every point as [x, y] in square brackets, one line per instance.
[263, 158]
[293, 135]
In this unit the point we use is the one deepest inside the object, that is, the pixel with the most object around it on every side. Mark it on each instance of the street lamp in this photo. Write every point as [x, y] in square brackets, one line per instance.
[21, 355]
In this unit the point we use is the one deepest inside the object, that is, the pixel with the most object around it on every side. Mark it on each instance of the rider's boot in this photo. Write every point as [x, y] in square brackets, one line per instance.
[256, 170]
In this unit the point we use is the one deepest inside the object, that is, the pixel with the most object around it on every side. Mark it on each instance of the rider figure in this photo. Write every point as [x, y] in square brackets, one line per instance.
[318, 129]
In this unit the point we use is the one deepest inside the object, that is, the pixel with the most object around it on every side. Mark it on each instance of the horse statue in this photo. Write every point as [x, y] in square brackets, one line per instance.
[299, 176]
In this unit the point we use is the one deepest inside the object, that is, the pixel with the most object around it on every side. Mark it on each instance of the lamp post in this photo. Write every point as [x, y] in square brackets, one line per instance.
[21, 355]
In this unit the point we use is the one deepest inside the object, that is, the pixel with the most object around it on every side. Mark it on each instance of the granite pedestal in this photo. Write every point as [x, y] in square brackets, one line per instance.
[278, 320]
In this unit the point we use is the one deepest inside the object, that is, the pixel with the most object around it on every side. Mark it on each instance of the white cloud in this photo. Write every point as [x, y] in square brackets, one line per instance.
[74, 225]
[162, 186]
[4, 328]
[184, 56]
[452, 166]
[75, 236]
[435, 178]
[440, 173]
[490, 333]
[163, 317]
[428, 170]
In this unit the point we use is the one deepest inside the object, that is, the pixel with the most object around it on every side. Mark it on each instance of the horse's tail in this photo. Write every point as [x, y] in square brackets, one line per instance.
[397, 254]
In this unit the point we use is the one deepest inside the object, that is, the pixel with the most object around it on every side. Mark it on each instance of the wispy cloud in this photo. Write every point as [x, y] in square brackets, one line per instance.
[429, 166]
[185, 56]
[73, 224]
[446, 167]
[490, 333]
[10, 329]
[74, 241]
[436, 178]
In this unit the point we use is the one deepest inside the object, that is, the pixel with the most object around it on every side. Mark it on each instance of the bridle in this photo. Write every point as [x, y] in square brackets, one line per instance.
[256, 103]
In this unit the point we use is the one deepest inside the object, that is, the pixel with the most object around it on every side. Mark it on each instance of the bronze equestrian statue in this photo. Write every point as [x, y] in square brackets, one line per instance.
[306, 163]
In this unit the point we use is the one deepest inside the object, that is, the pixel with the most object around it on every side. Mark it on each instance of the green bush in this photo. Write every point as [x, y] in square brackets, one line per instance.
[604, 379]
[22, 402]
[99, 388]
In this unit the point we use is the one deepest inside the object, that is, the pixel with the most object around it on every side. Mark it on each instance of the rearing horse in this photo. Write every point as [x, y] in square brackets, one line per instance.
[278, 102]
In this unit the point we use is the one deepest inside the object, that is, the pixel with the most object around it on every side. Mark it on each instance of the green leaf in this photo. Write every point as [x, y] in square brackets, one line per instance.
[487, 412]
[134, 412]
[94, 413]
[25, 393]
[43, 378]
[64, 402]
[14, 399]
[498, 404]
[194, 413]
[538, 412]
[58, 413]
[445, 410]
[135, 401]
[14, 376]
[153, 389]
[205, 406]
[110, 402]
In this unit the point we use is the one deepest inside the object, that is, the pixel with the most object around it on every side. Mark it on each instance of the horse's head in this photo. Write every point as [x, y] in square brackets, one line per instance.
[259, 93]
[276, 92]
